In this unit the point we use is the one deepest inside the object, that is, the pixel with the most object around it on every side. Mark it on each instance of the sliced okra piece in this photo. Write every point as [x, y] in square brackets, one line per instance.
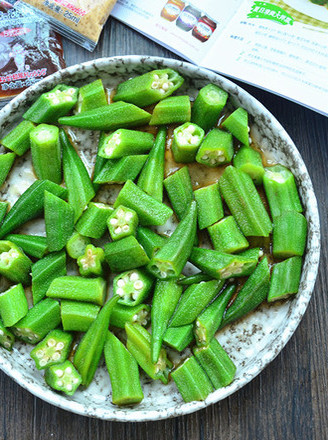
[109, 117]
[63, 377]
[122, 314]
[3, 210]
[90, 263]
[194, 279]
[169, 261]
[125, 254]
[179, 337]
[192, 381]
[285, 279]
[252, 294]
[226, 236]
[280, 190]
[125, 142]
[208, 322]
[172, 110]
[186, 141]
[216, 149]
[52, 105]
[91, 96]
[78, 289]
[149, 210]
[165, 299]
[18, 139]
[194, 300]
[132, 287]
[245, 203]
[123, 372]
[100, 162]
[45, 271]
[89, 350]
[6, 162]
[93, 221]
[249, 161]
[216, 363]
[179, 189]
[46, 149]
[76, 245]
[121, 170]
[150, 241]
[54, 349]
[149, 88]
[34, 245]
[59, 221]
[77, 316]
[152, 175]
[208, 106]
[237, 124]
[14, 264]
[122, 223]
[39, 321]
[289, 235]
[7, 339]
[13, 305]
[30, 205]
[139, 345]
[209, 205]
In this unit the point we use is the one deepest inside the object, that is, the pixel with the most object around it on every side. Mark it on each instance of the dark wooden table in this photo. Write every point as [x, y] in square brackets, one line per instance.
[288, 400]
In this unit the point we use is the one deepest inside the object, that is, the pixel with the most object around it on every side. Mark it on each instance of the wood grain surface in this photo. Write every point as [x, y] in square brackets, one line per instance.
[288, 400]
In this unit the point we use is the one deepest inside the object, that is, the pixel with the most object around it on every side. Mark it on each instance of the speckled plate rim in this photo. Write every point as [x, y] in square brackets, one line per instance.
[297, 313]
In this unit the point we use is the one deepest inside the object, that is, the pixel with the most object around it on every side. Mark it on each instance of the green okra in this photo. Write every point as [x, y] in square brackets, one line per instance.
[186, 141]
[249, 161]
[179, 189]
[90, 263]
[194, 279]
[122, 223]
[78, 289]
[18, 139]
[78, 182]
[77, 316]
[208, 322]
[139, 345]
[33, 245]
[52, 105]
[149, 240]
[172, 110]
[149, 210]
[252, 294]
[53, 349]
[125, 142]
[208, 105]
[152, 175]
[13, 305]
[237, 124]
[285, 279]
[216, 363]
[100, 162]
[91, 96]
[109, 117]
[194, 300]
[179, 337]
[244, 202]
[192, 381]
[63, 377]
[280, 190]
[45, 271]
[6, 162]
[89, 350]
[121, 170]
[30, 205]
[165, 299]
[39, 321]
[149, 88]
[122, 314]
[216, 149]
[209, 205]
[226, 236]
[93, 221]
[133, 287]
[123, 372]
[59, 221]
[289, 235]
[169, 261]
[46, 152]
[125, 254]
[7, 339]
[76, 245]
[3, 210]
[14, 264]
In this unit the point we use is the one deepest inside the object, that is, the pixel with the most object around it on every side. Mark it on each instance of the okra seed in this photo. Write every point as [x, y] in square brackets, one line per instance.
[213, 161]
[51, 95]
[39, 354]
[154, 85]
[197, 324]
[69, 387]
[120, 283]
[1, 333]
[59, 373]
[170, 83]
[109, 151]
[120, 291]
[144, 322]
[260, 253]
[134, 276]
[118, 141]
[60, 383]
[56, 356]
[68, 98]
[43, 362]
[205, 157]
[51, 343]
[126, 228]
[194, 140]
[128, 216]
[221, 159]
[71, 91]
[190, 129]
[220, 153]
[60, 346]
[163, 274]
[31, 338]
[6, 344]
[165, 76]
[135, 295]
[239, 270]
[165, 86]
[156, 77]
[68, 370]
[118, 230]
[135, 318]
[250, 140]
[55, 101]
[162, 91]
[75, 380]
[120, 213]
[113, 221]
[138, 285]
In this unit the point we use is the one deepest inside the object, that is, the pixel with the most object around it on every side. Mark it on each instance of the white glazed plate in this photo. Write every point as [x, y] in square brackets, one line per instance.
[308, 8]
[253, 342]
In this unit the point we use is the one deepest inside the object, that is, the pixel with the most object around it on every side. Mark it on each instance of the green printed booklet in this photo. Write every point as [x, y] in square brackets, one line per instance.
[278, 45]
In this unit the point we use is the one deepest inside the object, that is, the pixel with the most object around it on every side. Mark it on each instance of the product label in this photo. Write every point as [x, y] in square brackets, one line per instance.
[188, 19]
[204, 30]
[171, 9]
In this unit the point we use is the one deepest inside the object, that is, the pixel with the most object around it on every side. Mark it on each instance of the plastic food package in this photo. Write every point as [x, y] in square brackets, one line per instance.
[79, 20]
[29, 51]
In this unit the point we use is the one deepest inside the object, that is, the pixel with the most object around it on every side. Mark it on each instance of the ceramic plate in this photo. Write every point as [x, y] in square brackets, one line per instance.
[307, 7]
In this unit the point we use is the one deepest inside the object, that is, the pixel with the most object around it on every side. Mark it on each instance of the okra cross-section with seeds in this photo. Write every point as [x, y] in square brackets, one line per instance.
[216, 149]
[90, 263]
[14, 264]
[63, 377]
[122, 223]
[125, 142]
[122, 314]
[7, 339]
[186, 141]
[52, 350]
[132, 287]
